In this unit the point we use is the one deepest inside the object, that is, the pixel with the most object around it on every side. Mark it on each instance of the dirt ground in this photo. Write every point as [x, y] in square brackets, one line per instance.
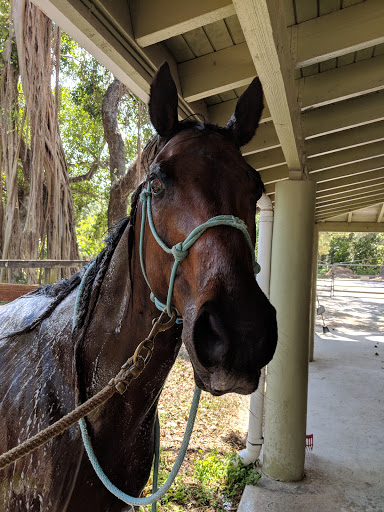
[352, 306]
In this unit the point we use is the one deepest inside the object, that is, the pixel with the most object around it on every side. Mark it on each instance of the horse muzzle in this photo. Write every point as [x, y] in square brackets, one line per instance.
[228, 346]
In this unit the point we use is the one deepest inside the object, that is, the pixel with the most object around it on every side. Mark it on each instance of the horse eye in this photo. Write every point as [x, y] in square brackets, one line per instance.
[156, 186]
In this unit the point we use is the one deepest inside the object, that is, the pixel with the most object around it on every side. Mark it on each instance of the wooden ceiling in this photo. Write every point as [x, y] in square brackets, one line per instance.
[321, 63]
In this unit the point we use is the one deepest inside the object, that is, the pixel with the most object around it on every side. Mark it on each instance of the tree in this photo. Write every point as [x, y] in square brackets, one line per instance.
[40, 208]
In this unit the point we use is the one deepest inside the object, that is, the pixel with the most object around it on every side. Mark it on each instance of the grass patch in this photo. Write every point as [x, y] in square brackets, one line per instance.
[208, 480]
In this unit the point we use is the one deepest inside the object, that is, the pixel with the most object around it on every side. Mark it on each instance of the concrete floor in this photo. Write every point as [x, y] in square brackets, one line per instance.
[345, 470]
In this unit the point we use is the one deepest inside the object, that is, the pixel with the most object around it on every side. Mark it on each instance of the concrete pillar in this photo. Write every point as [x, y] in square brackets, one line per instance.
[290, 290]
[312, 323]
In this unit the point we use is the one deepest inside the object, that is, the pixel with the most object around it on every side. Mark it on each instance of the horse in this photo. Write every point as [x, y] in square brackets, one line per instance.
[194, 171]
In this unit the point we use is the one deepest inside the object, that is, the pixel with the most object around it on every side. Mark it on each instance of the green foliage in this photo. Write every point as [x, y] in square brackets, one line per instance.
[90, 233]
[361, 248]
[217, 479]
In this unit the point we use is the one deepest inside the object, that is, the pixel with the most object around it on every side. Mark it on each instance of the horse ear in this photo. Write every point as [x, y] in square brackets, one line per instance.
[163, 102]
[244, 121]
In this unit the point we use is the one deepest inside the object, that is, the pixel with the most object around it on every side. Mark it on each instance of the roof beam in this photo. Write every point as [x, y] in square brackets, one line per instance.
[266, 159]
[338, 33]
[275, 174]
[156, 20]
[265, 32]
[357, 206]
[365, 187]
[348, 170]
[342, 83]
[381, 214]
[357, 179]
[347, 139]
[348, 156]
[221, 112]
[216, 72]
[349, 201]
[356, 227]
[265, 138]
[344, 115]
[107, 34]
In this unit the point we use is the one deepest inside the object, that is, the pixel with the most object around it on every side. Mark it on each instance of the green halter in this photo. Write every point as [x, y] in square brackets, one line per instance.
[180, 250]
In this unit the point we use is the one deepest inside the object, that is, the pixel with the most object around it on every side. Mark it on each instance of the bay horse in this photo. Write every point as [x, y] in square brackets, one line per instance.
[229, 327]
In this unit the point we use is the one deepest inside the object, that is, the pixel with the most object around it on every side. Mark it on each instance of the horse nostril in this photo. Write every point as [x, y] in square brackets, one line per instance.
[210, 337]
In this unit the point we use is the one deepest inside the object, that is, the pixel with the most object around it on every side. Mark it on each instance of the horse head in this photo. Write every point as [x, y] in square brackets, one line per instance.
[229, 326]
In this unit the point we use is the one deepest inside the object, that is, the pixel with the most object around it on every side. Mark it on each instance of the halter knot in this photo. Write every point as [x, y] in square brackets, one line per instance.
[179, 253]
[144, 195]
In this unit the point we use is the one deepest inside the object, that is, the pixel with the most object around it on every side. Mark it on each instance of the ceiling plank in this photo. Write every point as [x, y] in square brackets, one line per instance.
[156, 20]
[349, 201]
[358, 206]
[347, 156]
[348, 170]
[344, 115]
[264, 28]
[342, 83]
[351, 190]
[216, 72]
[220, 113]
[266, 159]
[347, 139]
[274, 174]
[265, 138]
[339, 33]
[357, 179]
[355, 227]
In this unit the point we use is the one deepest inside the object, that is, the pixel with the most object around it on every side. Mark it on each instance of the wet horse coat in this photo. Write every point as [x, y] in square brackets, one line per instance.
[229, 329]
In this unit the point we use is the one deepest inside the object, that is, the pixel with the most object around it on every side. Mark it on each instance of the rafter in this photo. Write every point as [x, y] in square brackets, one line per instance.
[349, 201]
[221, 112]
[264, 28]
[343, 171]
[357, 179]
[347, 139]
[351, 190]
[357, 206]
[266, 159]
[156, 20]
[338, 33]
[381, 214]
[363, 227]
[216, 72]
[341, 83]
[344, 115]
[347, 156]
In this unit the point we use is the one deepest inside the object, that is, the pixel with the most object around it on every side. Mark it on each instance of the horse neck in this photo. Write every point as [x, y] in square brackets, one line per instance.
[122, 319]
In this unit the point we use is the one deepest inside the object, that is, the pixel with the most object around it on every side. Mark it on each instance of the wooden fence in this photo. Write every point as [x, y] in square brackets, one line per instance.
[10, 292]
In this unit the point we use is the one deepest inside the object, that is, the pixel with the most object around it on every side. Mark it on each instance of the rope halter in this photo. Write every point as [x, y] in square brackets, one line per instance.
[181, 250]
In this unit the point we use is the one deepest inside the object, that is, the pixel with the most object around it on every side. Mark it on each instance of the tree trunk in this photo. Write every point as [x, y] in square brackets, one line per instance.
[122, 181]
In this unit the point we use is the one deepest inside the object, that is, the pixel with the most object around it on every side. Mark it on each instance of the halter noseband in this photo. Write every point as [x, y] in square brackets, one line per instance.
[180, 250]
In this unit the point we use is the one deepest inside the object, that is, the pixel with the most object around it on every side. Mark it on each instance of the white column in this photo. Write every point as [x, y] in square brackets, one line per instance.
[287, 378]
[256, 408]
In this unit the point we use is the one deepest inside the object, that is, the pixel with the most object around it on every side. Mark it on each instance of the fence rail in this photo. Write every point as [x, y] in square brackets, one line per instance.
[10, 291]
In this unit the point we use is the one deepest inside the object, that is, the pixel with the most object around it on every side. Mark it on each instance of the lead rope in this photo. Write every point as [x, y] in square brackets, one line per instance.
[179, 251]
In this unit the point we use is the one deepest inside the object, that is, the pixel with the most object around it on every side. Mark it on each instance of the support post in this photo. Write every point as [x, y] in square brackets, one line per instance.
[312, 324]
[287, 378]
[256, 407]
